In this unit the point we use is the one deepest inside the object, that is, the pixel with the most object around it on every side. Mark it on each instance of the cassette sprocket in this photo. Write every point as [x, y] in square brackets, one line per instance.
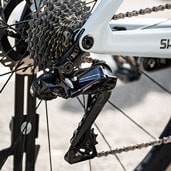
[52, 31]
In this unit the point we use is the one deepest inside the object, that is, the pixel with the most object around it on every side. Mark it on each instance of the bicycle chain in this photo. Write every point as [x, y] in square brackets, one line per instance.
[135, 13]
[156, 142]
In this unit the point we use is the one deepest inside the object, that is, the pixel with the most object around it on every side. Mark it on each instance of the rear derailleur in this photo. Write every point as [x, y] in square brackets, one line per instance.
[97, 78]
[97, 82]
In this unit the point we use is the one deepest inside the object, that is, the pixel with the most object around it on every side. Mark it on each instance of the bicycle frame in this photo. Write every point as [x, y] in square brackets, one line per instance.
[138, 42]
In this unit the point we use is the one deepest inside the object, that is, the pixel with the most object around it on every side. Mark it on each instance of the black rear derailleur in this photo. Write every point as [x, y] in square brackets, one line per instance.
[97, 82]
[84, 139]
[97, 78]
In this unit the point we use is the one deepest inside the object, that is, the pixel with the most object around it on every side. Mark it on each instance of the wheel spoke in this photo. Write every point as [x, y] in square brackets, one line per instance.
[23, 68]
[1, 90]
[81, 103]
[10, 26]
[147, 75]
[11, 74]
[38, 105]
[13, 71]
[104, 138]
[133, 121]
[40, 2]
[15, 24]
[35, 3]
[4, 55]
[155, 82]
[110, 148]
[48, 133]
[90, 2]
[94, 3]
[90, 165]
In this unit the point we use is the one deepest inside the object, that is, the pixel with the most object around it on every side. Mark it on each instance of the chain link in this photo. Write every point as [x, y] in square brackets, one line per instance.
[142, 11]
[156, 142]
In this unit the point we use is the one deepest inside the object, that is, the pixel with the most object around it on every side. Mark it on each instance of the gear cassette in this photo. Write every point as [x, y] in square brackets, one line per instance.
[53, 28]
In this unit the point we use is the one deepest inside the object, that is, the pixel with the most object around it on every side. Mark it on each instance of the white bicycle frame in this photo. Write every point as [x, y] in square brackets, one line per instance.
[151, 42]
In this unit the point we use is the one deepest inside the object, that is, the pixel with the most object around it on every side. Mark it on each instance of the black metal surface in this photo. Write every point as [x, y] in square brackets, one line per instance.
[4, 154]
[30, 147]
[84, 140]
[17, 121]
[22, 142]
[87, 81]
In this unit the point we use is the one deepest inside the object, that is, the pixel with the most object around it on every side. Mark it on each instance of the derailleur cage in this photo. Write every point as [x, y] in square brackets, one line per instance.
[84, 140]
[85, 149]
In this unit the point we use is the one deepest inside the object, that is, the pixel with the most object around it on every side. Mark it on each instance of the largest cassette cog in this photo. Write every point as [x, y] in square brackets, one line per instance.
[52, 30]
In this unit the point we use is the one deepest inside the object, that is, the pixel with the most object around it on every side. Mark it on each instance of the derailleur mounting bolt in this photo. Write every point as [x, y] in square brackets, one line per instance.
[87, 42]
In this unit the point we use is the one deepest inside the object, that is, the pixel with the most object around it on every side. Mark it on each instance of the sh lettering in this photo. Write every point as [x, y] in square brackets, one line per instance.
[165, 44]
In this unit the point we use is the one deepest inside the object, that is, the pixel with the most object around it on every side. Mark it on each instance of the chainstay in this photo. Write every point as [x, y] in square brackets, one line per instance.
[156, 142]
[135, 13]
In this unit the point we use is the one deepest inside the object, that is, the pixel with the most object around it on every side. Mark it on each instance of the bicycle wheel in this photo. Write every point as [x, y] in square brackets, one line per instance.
[158, 158]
